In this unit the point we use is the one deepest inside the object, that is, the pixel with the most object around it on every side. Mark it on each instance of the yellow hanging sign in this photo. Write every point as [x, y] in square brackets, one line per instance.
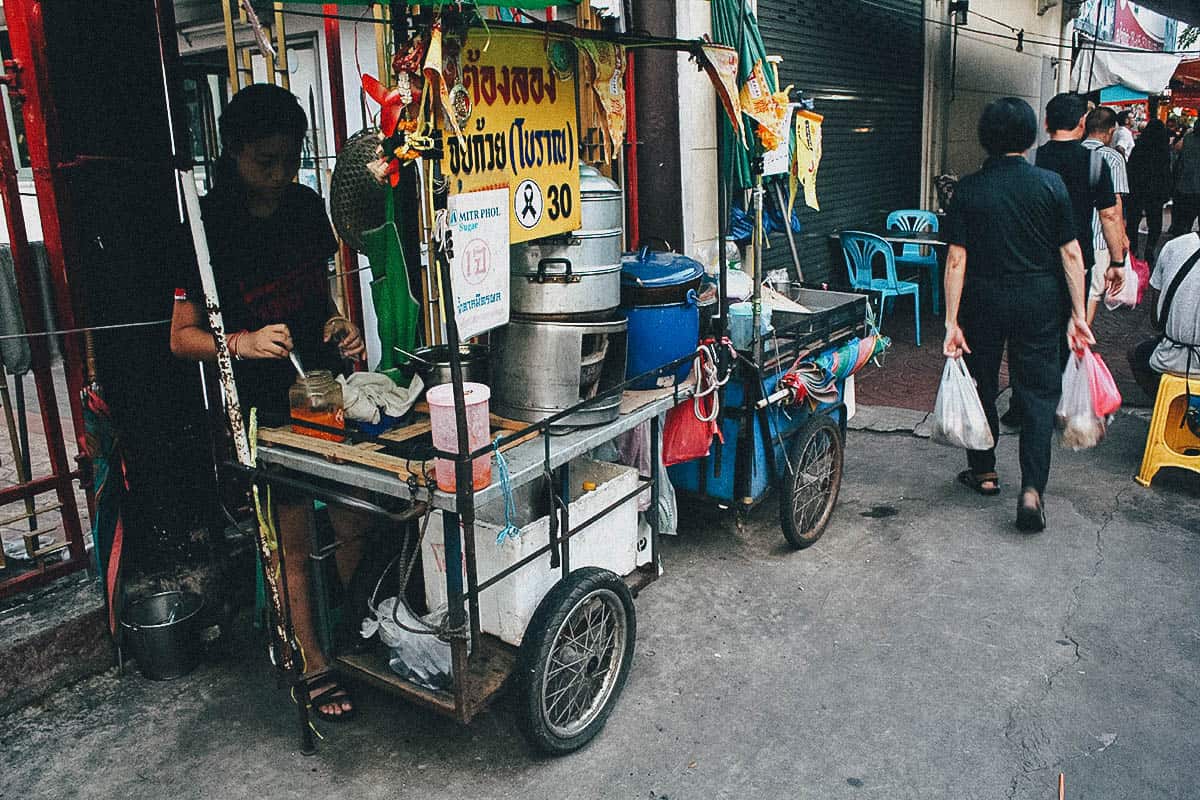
[522, 132]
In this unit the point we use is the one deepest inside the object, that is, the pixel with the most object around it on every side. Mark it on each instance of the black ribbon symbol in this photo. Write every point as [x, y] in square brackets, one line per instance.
[529, 209]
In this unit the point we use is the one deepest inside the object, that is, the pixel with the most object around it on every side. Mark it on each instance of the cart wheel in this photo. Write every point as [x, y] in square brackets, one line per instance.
[575, 659]
[808, 495]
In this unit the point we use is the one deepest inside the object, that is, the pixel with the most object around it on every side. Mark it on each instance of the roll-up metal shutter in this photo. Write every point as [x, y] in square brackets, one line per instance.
[862, 62]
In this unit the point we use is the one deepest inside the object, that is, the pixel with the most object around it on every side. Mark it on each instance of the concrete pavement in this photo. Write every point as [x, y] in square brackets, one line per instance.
[922, 649]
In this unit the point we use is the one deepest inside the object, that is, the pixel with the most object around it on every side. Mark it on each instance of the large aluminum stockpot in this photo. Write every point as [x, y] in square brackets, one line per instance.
[544, 367]
[555, 277]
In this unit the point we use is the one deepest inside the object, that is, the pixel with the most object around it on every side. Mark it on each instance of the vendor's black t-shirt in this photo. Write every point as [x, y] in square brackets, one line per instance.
[270, 271]
[1072, 161]
[1012, 218]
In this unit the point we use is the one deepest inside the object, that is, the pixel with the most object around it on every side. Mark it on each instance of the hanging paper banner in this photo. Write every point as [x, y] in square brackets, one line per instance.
[806, 158]
[721, 64]
[521, 133]
[604, 70]
[763, 106]
[778, 160]
[479, 270]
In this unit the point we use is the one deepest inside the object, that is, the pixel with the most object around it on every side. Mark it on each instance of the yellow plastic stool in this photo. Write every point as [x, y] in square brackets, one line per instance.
[1169, 442]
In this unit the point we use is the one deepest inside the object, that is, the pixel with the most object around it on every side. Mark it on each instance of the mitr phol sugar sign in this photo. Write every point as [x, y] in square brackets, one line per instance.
[521, 133]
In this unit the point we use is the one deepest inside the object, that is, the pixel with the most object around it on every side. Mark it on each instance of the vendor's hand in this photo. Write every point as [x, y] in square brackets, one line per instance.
[1114, 280]
[1079, 335]
[346, 334]
[955, 344]
[270, 341]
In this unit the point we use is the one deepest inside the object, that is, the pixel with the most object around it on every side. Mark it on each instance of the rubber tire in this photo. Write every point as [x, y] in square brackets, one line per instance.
[536, 647]
[817, 424]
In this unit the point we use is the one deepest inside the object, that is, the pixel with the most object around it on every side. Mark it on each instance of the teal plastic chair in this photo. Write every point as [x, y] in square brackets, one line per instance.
[860, 250]
[917, 220]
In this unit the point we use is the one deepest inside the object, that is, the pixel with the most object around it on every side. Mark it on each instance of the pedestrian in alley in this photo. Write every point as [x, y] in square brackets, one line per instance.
[1122, 140]
[270, 241]
[1089, 185]
[1187, 184]
[1100, 127]
[1149, 188]
[1015, 278]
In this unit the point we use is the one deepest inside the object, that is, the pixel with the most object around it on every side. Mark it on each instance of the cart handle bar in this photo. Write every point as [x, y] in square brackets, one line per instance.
[416, 510]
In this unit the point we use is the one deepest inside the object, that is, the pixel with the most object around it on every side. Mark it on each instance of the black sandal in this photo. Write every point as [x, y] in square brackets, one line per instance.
[1031, 519]
[976, 481]
[334, 693]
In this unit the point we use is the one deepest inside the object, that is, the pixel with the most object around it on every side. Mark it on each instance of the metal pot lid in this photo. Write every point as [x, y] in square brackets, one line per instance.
[654, 268]
[593, 184]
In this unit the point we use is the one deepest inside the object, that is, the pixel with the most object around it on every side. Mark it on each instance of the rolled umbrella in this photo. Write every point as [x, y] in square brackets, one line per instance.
[102, 445]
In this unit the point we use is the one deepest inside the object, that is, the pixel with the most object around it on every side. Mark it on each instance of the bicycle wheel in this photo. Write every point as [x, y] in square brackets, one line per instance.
[810, 482]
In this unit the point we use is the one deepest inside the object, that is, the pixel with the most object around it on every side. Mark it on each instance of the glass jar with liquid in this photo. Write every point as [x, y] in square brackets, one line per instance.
[317, 406]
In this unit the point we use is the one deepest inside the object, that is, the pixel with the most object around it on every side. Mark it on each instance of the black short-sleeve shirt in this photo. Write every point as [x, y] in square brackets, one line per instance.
[1072, 161]
[1012, 218]
[270, 271]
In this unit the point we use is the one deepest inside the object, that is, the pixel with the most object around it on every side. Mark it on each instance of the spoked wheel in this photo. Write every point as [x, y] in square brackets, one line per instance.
[575, 659]
[811, 481]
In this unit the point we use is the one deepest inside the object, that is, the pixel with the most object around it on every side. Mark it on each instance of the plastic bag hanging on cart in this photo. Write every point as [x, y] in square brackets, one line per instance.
[633, 450]
[422, 658]
[958, 418]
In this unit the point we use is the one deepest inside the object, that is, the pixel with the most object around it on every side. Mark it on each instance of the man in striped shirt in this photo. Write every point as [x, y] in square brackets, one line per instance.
[1100, 126]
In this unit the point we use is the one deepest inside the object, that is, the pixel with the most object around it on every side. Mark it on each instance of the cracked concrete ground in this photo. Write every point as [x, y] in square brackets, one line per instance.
[922, 649]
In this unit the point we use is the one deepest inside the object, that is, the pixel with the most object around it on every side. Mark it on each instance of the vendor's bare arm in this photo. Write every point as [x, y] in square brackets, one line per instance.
[192, 339]
[1112, 225]
[190, 336]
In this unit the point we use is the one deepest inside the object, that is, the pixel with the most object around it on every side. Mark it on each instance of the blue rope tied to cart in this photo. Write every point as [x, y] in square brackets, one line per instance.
[509, 530]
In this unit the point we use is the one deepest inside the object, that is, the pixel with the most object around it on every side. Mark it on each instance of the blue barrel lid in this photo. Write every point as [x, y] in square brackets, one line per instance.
[656, 268]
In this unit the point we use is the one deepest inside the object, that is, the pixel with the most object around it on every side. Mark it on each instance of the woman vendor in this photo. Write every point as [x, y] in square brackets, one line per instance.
[270, 243]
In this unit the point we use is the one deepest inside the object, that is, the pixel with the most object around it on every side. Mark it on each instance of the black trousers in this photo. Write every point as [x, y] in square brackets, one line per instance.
[1024, 313]
[1135, 207]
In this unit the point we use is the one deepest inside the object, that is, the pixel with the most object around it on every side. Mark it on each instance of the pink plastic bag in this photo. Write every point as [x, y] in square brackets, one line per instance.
[1106, 399]
[1142, 269]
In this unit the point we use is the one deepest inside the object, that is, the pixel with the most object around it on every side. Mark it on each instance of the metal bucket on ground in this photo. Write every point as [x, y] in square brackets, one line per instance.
[162, 632]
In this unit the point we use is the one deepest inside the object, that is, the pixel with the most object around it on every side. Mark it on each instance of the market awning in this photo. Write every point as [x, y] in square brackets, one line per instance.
[1183, 10]
[1140, 71]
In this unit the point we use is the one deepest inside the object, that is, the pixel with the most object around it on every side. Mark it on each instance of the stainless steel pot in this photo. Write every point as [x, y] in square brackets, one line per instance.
[433, 364]
[579, 273]
[545, 367]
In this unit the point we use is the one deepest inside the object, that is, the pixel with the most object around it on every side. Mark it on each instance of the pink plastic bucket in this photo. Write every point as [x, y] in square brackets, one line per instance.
[445, 433]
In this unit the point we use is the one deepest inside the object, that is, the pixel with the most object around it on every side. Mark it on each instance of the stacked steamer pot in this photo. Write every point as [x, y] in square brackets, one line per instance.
[659, 300]
[566, 340]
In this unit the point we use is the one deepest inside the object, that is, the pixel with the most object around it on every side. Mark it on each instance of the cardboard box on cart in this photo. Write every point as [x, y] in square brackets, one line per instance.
[611, 543]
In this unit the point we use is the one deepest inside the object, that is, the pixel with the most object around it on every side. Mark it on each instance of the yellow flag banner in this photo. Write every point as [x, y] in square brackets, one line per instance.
[806, 158]
[764, 107]
[521, 133]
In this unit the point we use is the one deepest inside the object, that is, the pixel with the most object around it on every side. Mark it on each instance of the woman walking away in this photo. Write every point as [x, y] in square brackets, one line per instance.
[1015, 277]
[270, 242]
[1149, 170]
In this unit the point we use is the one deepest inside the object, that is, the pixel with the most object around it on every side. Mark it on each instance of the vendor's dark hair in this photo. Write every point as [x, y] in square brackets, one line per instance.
[1123, 118]
[258, 112]
[1007, 125]
[1099, 120]
[1064, 111]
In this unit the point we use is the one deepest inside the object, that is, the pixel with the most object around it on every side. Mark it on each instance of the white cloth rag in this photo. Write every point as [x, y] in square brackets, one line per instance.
[366, 395]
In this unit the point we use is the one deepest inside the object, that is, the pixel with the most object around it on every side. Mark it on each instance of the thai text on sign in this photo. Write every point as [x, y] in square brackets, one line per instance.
[521, 133]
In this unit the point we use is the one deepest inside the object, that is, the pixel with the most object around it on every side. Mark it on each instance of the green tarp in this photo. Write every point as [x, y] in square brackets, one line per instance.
[740, 31]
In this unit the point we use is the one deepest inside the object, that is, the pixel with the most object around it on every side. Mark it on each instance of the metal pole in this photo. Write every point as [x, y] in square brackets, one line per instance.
[216, 322]
[281, 48]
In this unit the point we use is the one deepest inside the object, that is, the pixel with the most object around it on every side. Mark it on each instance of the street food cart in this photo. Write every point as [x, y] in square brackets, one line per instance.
[526, 503]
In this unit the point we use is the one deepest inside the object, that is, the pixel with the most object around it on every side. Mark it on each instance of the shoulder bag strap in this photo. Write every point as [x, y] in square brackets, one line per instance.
[1160, 317]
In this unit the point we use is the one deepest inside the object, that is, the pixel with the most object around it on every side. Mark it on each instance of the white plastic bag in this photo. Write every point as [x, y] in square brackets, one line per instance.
[958, 418]
[422, 658]
[1128, 296]
[1078, 425]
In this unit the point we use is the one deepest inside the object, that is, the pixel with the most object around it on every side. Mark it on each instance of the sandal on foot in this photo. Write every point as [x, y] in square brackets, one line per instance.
[332, 693]
[975, 481]
[1031, 519]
